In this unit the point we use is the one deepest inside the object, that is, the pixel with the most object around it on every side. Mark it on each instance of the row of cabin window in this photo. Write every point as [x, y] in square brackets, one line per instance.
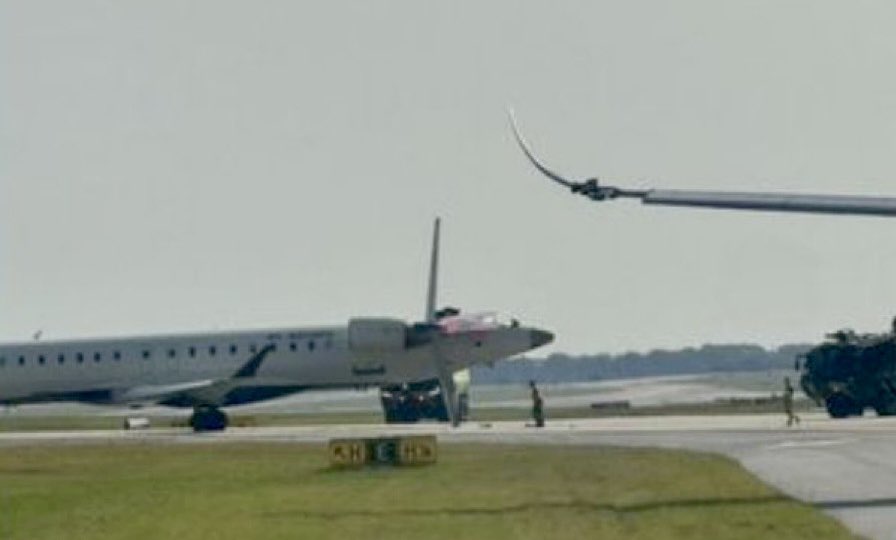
[172, 353]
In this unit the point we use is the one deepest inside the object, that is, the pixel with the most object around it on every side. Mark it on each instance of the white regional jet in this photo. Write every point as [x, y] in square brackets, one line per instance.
[211, 370]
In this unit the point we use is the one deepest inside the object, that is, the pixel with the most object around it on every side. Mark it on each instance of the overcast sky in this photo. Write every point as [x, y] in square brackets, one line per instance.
[180, 166]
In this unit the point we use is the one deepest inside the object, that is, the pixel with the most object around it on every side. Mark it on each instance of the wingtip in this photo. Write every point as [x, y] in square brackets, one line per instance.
[511, 117]
[524, 146]
[531, 155]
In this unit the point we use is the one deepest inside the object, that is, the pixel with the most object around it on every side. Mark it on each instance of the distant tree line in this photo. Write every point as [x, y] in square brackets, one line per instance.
[560, 367]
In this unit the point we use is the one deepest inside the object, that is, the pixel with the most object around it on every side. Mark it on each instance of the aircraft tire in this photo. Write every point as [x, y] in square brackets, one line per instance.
[208, 418]
[842, 406]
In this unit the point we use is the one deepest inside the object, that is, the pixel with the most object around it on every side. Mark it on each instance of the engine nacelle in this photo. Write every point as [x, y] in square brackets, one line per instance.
[377, 335]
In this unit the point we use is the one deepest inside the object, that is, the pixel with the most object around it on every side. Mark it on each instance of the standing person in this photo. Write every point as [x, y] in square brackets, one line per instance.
[788, 403]
[537, 405]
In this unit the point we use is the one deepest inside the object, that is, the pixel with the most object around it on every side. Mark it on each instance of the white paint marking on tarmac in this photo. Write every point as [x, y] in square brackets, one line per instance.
[809, 444]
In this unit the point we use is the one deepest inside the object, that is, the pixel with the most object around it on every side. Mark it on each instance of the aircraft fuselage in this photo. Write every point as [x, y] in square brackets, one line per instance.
[148, 369]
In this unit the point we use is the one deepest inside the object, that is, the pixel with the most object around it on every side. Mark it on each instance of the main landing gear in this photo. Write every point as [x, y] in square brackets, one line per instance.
[208, 418]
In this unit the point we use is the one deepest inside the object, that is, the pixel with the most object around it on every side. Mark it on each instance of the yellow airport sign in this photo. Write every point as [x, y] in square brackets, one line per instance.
[411, 450]
[417, 450]
[348, 452]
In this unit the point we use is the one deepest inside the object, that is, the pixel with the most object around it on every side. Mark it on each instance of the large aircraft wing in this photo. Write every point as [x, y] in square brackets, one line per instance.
[780, 202]
[775, 202]
[204, 392]
[152, 393]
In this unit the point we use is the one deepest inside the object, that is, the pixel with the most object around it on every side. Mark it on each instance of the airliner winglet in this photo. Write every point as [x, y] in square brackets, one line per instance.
[531, 156]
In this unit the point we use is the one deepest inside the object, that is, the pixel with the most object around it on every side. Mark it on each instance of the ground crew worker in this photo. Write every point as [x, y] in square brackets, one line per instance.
[788, 403]
[537, 405]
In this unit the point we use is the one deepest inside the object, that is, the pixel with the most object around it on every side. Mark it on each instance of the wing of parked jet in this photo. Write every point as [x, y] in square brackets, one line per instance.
[777, 202]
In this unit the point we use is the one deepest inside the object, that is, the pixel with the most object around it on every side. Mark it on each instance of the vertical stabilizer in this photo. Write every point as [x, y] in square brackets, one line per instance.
[431, 292]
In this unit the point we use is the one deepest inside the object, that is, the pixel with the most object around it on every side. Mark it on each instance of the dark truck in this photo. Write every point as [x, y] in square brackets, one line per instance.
[423, 400]
[850, 372]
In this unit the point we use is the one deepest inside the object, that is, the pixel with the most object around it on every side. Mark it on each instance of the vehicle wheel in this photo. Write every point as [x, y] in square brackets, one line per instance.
[390, 414]
[207, 418]
[842, 406]
[409, 414]
[885, 407]
[399, 414]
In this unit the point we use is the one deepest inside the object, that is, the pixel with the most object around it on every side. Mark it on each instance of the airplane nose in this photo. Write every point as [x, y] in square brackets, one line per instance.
[540, 337]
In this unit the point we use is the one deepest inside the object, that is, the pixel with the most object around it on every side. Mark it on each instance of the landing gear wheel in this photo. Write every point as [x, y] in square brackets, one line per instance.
[208, 418]
[842, 406]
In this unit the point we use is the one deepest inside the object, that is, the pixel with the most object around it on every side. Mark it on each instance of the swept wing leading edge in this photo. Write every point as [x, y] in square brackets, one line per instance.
[780, 202]
[209, 391]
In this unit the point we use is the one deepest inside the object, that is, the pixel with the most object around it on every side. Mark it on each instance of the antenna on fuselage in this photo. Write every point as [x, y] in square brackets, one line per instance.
[37, 335]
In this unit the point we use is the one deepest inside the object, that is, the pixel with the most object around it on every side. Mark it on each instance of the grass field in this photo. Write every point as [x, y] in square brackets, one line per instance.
[273, 491]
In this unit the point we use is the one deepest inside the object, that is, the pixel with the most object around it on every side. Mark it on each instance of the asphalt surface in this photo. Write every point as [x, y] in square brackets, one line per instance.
[847, 468]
